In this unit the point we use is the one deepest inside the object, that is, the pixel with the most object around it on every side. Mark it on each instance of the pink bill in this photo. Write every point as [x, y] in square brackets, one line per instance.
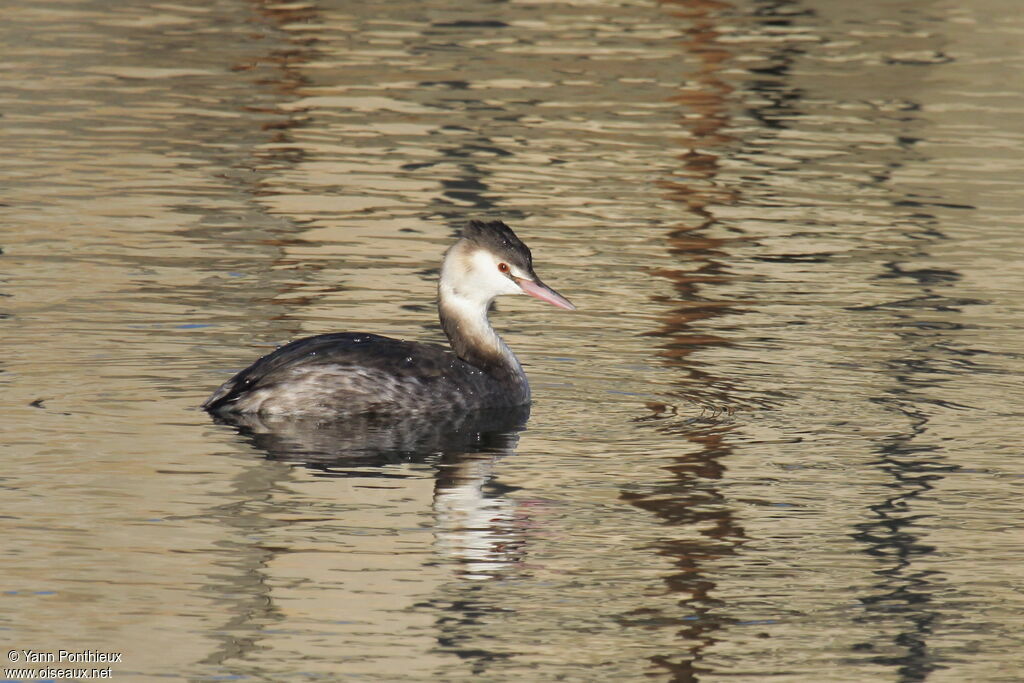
[541, 291]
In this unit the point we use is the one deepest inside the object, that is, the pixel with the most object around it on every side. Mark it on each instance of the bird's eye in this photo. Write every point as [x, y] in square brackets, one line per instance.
[503, 267]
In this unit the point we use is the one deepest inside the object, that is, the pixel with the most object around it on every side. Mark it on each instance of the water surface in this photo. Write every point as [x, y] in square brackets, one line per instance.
[780, 438]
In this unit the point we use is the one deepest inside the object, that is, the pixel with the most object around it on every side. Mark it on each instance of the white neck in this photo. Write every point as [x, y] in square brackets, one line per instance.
[472, 338]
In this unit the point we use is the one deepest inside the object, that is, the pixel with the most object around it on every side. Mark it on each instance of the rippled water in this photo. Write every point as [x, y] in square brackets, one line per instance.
[780, 438]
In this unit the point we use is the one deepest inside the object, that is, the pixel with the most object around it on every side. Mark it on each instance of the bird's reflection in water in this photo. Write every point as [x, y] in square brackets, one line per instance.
[475, 524]
[368, 440]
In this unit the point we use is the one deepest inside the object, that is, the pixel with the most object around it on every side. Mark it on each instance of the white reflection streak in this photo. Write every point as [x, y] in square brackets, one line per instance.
[471, 528]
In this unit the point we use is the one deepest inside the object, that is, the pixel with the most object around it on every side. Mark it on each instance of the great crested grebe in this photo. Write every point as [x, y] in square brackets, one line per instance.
[356, 372]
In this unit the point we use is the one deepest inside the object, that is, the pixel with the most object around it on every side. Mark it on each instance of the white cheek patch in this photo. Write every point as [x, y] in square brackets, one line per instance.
[485, 277]
[520, 274]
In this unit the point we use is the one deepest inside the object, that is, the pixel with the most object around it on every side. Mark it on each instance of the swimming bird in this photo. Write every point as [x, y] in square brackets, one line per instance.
[362, 373]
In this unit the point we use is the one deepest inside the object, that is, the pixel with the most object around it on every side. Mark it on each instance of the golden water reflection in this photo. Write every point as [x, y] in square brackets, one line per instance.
[777, 439]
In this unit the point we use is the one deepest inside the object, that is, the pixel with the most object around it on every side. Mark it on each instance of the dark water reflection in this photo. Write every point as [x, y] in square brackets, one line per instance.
[778, 439]
[371, 439]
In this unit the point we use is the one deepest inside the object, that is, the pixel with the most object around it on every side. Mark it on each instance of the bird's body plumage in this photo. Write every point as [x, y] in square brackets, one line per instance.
[354, 372]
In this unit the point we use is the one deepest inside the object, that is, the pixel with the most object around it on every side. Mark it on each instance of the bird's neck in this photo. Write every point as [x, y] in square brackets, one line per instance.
[465, 322]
